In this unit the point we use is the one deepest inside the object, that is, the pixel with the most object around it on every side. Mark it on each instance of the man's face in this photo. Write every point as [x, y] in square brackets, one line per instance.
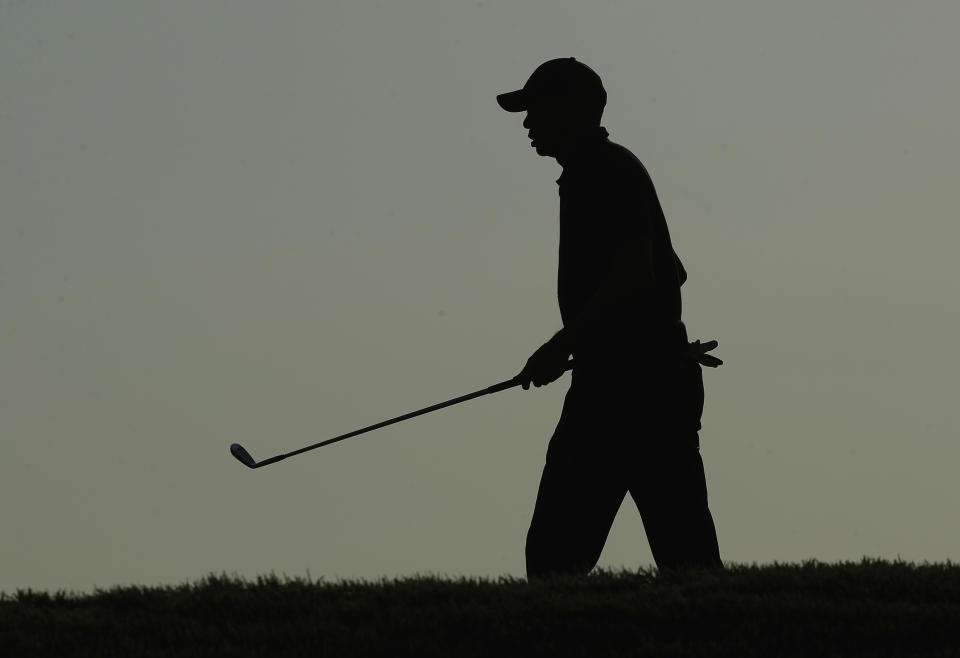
[548, 130]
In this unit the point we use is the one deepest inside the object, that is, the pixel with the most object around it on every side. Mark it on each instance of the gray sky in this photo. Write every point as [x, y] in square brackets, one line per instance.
[276, 222]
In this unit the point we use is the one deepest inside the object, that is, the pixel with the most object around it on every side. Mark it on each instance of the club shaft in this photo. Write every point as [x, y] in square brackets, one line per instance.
[502, 386]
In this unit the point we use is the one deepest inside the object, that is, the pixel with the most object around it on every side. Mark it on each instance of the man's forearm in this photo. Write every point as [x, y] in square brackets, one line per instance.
[562, 341]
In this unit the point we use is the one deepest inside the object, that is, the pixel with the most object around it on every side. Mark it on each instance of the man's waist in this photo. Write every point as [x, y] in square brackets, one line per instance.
[661, 337]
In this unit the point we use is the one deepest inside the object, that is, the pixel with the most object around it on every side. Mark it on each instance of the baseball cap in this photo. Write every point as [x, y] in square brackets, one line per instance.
[565, 82]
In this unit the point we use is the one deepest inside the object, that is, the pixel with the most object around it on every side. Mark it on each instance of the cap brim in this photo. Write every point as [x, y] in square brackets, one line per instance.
[513, 101]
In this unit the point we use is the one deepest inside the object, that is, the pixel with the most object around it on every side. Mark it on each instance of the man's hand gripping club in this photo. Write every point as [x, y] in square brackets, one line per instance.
[547, 363]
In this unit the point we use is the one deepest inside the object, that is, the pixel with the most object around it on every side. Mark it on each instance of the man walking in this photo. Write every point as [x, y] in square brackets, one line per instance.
[631, 418]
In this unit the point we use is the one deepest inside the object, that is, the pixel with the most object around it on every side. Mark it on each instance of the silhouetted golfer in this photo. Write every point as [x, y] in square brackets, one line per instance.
[631, 418]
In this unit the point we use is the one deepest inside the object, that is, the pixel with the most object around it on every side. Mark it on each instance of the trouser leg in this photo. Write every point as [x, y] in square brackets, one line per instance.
[670, 491]
[576, 504]
[597, 453]
[580, 493]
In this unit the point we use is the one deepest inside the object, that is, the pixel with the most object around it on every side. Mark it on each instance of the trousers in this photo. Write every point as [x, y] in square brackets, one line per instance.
[612, 439]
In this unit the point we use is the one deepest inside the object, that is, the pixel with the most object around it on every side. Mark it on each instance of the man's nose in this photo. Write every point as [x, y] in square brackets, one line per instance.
[526, 121]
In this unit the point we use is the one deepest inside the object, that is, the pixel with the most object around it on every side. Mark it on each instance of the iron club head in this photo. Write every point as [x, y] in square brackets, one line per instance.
[242, 455]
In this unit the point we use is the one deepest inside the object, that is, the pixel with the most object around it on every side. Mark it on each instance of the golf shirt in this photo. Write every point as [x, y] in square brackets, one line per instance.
[608, 206]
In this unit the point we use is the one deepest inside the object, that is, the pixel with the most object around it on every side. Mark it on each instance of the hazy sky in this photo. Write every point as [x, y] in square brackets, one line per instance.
[274, 222]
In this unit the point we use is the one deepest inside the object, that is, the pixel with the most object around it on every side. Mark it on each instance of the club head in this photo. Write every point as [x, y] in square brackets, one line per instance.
[242, 455]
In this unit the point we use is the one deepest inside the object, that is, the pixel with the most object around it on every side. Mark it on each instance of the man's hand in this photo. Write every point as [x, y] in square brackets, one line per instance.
[547, 363]
[699, 350]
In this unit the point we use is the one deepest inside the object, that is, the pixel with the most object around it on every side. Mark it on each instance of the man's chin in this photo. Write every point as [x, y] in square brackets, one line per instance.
[539, 148]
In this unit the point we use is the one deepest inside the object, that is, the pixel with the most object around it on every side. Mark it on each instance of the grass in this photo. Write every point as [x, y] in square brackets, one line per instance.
[870, 608]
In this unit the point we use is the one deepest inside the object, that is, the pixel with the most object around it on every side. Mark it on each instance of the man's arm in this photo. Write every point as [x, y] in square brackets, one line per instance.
[627, 283]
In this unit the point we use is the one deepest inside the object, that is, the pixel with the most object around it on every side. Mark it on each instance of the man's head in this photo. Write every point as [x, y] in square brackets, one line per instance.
[564, 101]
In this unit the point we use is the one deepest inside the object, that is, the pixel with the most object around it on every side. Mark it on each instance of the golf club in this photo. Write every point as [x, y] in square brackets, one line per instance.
[247, 459]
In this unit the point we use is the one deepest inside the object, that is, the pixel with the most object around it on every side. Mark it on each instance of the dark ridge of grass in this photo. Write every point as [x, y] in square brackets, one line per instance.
[870, 608]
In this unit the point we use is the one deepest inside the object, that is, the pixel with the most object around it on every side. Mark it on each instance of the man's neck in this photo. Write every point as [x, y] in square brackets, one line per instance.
[580, 142]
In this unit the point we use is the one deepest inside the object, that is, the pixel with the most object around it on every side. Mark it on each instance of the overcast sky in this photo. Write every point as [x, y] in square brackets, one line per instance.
[274, 222]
